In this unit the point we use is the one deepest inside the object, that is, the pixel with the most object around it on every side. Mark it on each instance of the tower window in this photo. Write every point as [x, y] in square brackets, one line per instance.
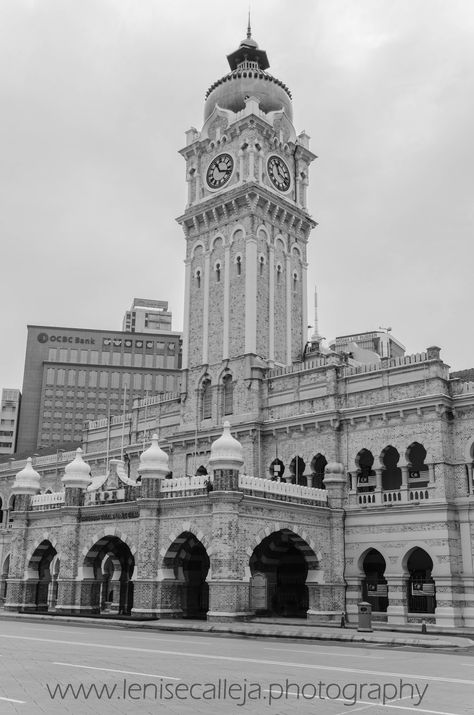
[227, 395]
[261, 264]
[239, 265]
[206, 403]
[218, 272]
[278, 273]
[295, 281]
[198, 278]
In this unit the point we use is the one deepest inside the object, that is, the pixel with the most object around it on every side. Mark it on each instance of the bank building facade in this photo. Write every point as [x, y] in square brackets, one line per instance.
[286, 479]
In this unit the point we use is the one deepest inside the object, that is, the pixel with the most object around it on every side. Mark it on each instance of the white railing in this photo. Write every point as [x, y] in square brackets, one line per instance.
[394, 496]
[268, 488]
[184, 486]
[44, 502]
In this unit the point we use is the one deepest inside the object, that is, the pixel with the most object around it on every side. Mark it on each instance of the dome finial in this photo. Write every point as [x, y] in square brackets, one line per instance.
[249, 29]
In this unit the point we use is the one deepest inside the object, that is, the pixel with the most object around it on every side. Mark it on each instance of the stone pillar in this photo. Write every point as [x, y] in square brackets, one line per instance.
[378, 485]
[353, 596]
[331, 591]
[404, 488]
[397, 598]
[26, 485]
[449, 593]
[228, 585]
[153, 468]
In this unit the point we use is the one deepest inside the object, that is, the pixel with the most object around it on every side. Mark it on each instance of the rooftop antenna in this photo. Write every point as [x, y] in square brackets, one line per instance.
[316, 334]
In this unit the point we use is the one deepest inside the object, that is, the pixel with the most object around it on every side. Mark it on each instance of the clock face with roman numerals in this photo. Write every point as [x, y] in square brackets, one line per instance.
[219, 171]
[279, 173]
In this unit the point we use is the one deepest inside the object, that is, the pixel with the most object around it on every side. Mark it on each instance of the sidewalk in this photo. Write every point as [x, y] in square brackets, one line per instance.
[271, 628]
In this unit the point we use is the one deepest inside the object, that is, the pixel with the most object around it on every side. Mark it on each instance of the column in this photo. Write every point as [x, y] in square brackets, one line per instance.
[228, 587]
[449, 592]
[397, 598]
[404, 487]
[378, 485]
[205, 312]
[187, 295]
[225, 341]
[251, 295]
[288, 309]
[271, 303]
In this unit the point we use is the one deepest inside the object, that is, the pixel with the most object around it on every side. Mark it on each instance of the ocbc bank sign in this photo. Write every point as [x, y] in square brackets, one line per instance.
[76, 340]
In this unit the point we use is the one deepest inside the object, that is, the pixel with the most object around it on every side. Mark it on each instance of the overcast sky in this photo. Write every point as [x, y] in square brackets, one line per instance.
[96, 96]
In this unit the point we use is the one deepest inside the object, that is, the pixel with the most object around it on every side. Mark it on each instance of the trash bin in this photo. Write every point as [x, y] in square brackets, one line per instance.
[364, 610]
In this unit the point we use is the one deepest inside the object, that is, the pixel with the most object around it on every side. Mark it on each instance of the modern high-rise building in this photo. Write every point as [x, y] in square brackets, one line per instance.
[73, 375]
[147, 316]
[9, 412]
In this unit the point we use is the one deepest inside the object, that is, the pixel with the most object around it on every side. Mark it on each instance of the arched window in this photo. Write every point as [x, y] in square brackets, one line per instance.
[276, 469]
[218, 272]
[391, 474]
[318, 465]
[238, 262]
[198, 278]
[279, 270]
[415, 456]
[206, 403]
[227, 395]
[364, 462]
[261, 263]
[297, 467]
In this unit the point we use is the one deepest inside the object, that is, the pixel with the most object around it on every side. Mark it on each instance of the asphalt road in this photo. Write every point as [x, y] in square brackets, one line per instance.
[54, 668]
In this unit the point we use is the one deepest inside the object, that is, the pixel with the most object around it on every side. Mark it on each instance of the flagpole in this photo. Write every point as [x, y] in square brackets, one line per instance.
[123, 418]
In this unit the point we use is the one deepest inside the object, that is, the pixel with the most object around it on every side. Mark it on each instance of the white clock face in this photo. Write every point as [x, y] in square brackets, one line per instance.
[219, 171]
[279, 173]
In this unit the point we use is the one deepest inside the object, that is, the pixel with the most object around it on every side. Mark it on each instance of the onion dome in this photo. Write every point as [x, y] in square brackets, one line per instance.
[154, 461]
[27, 481]
[248, 78]
[226, 452]
[77, 474]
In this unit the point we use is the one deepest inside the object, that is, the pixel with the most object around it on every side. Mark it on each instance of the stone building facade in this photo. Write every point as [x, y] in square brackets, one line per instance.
[341, 481]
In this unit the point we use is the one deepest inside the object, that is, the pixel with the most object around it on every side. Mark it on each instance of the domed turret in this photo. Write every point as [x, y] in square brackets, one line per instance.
[154, 461]
[77, 474]
[226, 451]
[248, 78]
[27, 481]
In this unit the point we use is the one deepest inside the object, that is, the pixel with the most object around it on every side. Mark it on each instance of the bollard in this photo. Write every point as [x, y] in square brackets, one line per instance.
[343, 620]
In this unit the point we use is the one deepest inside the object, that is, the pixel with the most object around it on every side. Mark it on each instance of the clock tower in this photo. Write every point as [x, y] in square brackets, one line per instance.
[246, 226]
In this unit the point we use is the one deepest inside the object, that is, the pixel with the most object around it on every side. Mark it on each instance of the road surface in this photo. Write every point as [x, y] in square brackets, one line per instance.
[61, 668]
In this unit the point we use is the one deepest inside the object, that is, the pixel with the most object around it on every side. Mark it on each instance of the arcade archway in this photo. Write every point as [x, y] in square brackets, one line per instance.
[187, 564]
[421, 585]
[40, 571]
[281, 562]
[107, 585]
[374, 586]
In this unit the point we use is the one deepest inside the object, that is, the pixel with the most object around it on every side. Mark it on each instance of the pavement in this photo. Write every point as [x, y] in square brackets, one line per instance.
[265, 628]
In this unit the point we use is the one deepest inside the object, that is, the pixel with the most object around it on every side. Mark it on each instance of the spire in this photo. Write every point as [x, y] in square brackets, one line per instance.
[315, 336]
[249, 29]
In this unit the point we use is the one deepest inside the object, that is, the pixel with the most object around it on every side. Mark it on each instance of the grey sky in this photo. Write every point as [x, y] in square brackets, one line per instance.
[96, 96]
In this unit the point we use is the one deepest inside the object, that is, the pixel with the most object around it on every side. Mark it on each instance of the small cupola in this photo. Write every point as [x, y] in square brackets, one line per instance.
[226, 451]
[77, 474]
[154, 459]
[27, 481]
